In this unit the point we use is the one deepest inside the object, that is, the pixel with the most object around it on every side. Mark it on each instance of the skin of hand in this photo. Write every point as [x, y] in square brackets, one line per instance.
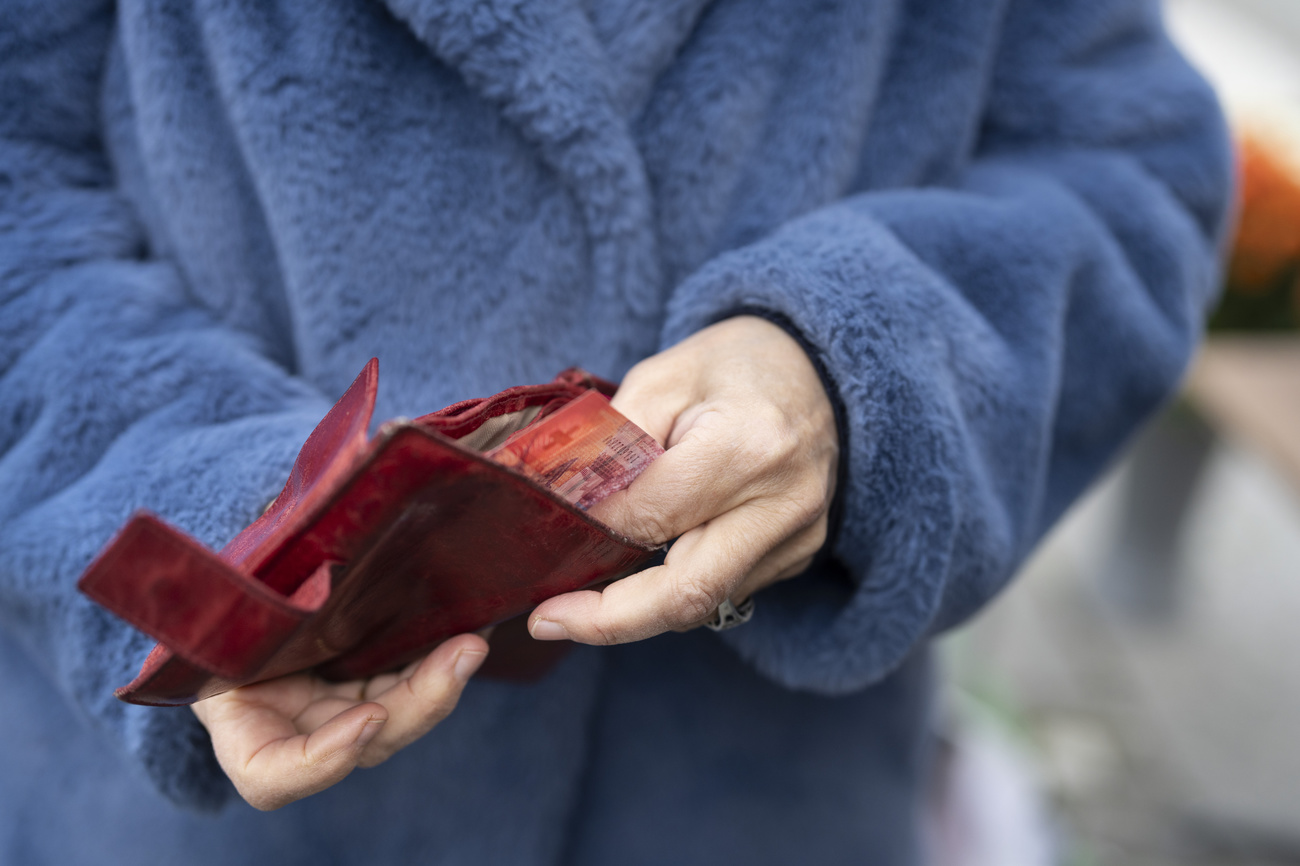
[288, 738]
[745, 485]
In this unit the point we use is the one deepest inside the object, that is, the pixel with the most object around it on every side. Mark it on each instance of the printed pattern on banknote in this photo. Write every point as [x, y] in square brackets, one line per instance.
[583, 452]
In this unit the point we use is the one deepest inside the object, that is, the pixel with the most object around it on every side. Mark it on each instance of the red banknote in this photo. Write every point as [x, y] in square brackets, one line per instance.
[582, 453]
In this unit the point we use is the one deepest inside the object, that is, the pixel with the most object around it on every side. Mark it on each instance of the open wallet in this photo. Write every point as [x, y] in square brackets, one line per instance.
[378, 548]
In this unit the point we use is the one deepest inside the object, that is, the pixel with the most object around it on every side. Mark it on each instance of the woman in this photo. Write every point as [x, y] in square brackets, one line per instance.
[929, 264]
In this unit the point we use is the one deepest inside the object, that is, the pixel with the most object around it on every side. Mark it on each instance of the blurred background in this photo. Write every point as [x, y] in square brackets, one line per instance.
[1135, 699]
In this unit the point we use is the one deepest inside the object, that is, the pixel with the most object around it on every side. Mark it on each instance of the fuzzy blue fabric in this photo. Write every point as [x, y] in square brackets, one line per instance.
[994, 222]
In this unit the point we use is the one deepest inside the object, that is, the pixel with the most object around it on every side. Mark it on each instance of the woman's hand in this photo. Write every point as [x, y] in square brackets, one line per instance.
[288, 738]
[745, 485]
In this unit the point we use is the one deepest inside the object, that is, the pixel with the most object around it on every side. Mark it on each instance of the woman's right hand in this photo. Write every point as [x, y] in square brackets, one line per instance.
[288, 738]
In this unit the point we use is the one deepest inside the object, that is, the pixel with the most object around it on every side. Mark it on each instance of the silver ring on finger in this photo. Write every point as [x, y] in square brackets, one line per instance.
[730, 615]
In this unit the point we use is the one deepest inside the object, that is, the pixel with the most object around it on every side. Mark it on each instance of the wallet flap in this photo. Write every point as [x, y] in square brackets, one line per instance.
[171, 587]
[328, 453]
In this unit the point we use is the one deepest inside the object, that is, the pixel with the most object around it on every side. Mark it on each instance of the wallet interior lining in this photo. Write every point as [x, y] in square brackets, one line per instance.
[494, 431]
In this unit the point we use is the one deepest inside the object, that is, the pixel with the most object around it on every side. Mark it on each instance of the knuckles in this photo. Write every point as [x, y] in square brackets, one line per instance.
[768, 440]
[773, 447]
[810, 540]
[605, 634]
[653, 526]
[694, 600]
[811, 500]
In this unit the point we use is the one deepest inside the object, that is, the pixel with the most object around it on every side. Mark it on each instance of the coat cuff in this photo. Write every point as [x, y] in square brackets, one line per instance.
[872, 595]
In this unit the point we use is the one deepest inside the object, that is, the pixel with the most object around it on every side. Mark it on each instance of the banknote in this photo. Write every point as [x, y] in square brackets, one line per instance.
[583, 452]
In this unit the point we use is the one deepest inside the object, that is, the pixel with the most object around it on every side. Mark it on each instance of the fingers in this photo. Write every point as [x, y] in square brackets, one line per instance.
[416, 703]
[270, 763]
[668, 597]
[704, 567]
[745, 485]
[685, 486]
[286, 739]
[790, 558]
[723, 459]
[648, 399]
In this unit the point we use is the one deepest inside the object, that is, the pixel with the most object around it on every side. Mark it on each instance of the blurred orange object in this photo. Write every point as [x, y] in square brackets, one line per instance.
[1268, 233]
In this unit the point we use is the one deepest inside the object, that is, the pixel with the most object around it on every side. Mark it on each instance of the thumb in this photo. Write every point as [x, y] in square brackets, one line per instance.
[275, 770]
[651, 399]
[687, 485]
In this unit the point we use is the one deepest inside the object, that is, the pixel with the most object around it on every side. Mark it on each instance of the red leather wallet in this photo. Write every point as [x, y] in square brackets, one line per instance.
[375, 551]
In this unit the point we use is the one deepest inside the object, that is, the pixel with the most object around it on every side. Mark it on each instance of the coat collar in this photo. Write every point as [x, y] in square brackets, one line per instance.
[547, 64]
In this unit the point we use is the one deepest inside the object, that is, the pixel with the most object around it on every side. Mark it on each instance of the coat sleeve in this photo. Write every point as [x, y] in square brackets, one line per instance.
[993, 341]
[117, 391]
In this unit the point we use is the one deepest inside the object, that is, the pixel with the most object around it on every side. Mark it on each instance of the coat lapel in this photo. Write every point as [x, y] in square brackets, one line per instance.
[547, 67]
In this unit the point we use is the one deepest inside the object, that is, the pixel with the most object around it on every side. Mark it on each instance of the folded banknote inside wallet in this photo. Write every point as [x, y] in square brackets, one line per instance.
[377, 549]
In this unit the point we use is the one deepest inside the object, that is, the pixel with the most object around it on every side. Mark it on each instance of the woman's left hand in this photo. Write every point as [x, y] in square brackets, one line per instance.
[291, 737]
[745, 485]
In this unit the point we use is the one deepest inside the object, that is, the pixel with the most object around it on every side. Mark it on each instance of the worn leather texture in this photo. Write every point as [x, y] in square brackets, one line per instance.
[375, 551]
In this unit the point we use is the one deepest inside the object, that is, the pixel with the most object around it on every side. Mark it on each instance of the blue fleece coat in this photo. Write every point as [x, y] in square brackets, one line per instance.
[993, 222]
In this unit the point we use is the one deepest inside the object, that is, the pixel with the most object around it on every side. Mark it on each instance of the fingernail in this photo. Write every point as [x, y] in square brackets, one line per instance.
[467, 661]
[370, 731]
[545, 629]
